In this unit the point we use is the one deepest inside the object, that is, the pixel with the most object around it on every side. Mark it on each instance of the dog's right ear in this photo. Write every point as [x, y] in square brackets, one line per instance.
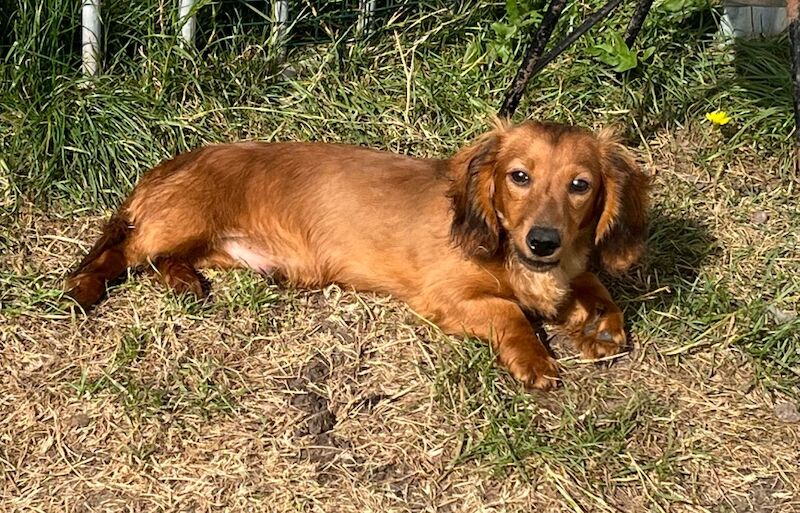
[476, 227]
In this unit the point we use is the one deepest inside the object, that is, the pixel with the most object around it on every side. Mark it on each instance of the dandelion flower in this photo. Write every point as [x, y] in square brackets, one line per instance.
[718, 117]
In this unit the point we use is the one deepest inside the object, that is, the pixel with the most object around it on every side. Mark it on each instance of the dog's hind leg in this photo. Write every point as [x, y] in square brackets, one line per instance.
[179, 275]
[105, 262]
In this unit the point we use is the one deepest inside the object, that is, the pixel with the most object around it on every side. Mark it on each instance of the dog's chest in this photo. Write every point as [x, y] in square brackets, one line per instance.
[541, 292]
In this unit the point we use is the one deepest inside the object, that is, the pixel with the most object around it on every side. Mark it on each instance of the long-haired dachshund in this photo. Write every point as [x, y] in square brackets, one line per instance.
[476, 243]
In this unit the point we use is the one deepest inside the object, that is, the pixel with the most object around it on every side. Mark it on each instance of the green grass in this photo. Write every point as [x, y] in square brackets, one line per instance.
[73, 139]
[193, 386]
[424, 84]
[607, 437]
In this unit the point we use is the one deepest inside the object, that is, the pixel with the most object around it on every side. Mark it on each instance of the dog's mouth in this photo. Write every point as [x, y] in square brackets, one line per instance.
[536, 265]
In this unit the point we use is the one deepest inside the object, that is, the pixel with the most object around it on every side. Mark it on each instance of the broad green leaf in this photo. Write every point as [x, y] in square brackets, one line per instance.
[627, 60]
[501, 29]
[618, 43]
[474, 50]
[513, 11]
[674, 5]
[504, 53]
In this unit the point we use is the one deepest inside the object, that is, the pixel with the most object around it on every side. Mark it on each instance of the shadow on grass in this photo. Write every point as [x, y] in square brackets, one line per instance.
[677, 248]
[763, 72]
[671, 297]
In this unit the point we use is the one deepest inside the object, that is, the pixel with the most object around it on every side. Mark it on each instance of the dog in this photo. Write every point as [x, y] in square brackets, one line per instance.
[502, 232]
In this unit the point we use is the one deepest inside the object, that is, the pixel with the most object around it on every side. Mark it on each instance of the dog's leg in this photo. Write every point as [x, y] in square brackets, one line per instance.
[106, 261]
[517, 345]
[172, 253]
[591, 319]
[179, 275]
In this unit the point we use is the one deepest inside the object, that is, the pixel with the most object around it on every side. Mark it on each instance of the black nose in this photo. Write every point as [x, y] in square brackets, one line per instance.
[543, 241]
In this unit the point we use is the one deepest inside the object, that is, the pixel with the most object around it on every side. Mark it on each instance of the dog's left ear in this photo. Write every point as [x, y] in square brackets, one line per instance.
[622, 227]
[475, 227]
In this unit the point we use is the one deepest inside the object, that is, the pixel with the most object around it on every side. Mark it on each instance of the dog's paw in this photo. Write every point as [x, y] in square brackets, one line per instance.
[84, 289]
[181, 284]
[602, 336]
[535, 372]
[181, 277]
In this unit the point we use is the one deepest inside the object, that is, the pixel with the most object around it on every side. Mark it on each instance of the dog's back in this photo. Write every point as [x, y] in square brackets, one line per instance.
[315, 212]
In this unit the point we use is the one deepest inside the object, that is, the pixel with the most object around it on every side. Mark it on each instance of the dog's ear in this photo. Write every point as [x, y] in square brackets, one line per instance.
[476, 227]
[622, 227]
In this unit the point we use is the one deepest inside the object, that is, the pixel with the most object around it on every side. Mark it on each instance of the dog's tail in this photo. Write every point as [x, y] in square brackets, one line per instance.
[105, 262]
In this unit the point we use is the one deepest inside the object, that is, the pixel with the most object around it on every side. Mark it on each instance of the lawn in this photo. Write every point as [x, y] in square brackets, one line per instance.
[263, 398]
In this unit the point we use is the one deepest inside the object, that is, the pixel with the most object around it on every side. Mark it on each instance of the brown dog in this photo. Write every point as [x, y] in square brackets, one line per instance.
[505, 227]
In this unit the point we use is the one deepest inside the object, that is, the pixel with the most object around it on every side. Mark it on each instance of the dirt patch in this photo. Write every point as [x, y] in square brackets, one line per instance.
[320, 445]
[762, 496]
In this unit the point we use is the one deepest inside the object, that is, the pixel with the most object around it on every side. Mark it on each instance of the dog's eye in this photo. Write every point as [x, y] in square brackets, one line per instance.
[520, 177]
[578, 186]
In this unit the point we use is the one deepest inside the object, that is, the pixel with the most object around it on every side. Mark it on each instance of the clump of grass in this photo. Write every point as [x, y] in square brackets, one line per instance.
[411, 86]
[605, 436]
[194, 386]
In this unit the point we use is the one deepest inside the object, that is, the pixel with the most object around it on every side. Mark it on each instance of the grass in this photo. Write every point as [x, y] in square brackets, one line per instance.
[158, 401]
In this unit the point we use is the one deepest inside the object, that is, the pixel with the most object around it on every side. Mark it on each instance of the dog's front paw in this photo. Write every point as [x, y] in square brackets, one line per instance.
[534, 371]
[602, 335]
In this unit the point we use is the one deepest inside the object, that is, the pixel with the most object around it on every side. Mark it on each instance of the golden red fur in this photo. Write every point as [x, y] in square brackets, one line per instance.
[504, 228]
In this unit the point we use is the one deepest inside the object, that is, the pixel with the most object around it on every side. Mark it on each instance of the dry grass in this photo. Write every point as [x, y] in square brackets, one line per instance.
[267, 399]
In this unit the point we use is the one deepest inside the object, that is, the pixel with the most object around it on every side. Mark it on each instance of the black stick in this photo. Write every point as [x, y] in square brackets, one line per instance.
[584, 27]
[794, 40]
[537, 46]
[635, 25]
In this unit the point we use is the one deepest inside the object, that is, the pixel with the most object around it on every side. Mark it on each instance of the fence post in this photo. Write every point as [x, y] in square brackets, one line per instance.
[90, 36]
[366, 10]
[187, 20]
[280, 17]
[280, 21]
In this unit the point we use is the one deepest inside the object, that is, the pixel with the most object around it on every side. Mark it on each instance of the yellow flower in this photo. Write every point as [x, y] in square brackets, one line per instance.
[718, 117]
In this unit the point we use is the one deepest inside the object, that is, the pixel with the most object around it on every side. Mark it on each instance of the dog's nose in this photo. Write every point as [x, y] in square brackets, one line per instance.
[543, 241]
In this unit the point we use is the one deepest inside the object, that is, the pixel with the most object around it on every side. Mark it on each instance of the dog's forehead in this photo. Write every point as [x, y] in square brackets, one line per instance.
[557, 144]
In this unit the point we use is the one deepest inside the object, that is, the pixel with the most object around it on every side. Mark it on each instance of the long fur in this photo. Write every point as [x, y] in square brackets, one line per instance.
[447, 236]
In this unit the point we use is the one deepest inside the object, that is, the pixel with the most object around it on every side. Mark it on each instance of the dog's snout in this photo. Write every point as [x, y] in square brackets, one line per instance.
[543, 241]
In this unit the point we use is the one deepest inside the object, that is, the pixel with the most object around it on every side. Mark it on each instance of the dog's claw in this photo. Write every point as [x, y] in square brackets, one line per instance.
[603, 336]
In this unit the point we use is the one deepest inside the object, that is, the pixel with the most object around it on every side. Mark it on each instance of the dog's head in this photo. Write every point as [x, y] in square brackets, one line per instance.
[549, 194]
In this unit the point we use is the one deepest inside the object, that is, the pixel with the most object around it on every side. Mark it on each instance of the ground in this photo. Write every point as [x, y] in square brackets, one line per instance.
[263, 398]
